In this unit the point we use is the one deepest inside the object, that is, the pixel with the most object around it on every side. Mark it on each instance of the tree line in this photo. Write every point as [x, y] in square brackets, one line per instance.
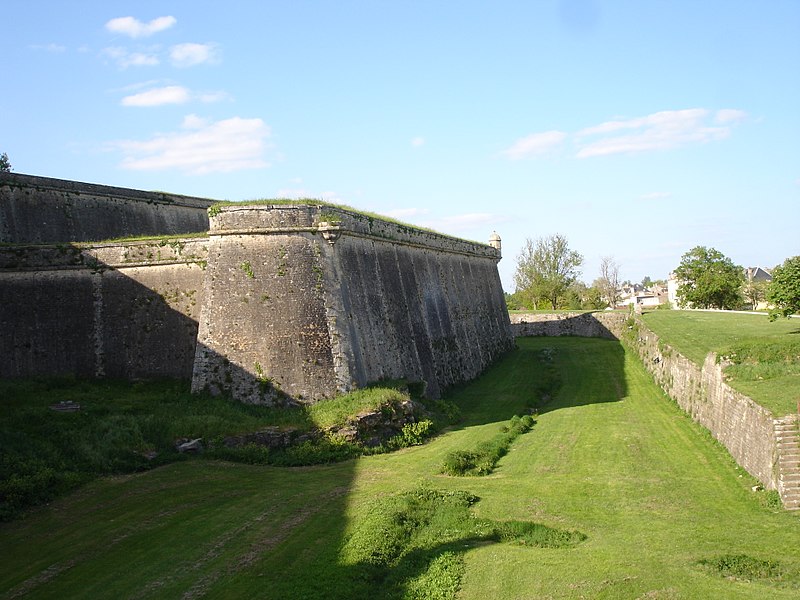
[548, 270]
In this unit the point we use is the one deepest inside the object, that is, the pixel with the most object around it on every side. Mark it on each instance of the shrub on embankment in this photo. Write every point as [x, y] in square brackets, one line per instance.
[57, 434]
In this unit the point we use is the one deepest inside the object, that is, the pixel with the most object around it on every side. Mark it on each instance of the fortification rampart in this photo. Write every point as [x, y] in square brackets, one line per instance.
[307, 301]
[298, 302]
[41, 210]
[747, 430]
[126, 310]
[602, 325]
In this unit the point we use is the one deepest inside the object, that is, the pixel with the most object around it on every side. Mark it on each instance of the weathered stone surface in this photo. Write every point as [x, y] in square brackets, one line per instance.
[124, 310]
[557, 324]
[375, 428]
[41, 210]
[383, 301]
[298, 303]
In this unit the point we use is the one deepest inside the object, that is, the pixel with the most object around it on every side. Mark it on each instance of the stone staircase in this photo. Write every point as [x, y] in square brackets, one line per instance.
[787, 436]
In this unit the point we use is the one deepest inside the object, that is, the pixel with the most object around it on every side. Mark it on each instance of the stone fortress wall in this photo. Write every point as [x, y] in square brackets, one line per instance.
[309, 301]
[42, 210]
[287, 306]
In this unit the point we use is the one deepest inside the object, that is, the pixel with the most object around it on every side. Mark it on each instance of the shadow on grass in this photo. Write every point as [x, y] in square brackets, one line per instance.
[199, 529]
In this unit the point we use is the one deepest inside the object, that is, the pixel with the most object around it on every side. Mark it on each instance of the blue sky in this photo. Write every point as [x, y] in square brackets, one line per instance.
[638, 129]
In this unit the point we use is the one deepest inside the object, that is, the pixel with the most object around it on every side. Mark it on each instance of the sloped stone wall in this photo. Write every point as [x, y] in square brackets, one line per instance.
[736, 421]
[557, 324]
[42, 210]
[118, 310]
[304, 302]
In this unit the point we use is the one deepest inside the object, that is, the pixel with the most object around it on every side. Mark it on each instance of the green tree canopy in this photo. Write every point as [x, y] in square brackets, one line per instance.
[546, 269]
[5, 164]
[783, 292]
[709, 279]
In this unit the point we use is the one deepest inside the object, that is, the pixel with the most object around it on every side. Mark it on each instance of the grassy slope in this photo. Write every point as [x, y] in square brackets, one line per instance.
[610, 457]
[694, 334]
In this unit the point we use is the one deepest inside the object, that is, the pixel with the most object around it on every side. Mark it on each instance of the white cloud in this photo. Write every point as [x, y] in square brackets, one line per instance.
[535, 145]
[54, 48]
[171, 94]
[418, 141]
[201, 147]
[190, 54]
[125, 59]
[658, 131]
[135, 28]
[729, 115]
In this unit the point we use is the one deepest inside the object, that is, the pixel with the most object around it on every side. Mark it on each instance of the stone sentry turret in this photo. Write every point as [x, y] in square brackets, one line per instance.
[306, 301]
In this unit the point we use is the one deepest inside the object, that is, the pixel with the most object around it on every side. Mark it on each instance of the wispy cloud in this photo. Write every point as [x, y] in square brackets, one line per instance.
[124, 58]
[658, 131]
[135, 28]
[535, 145]
[418, 141]
[730, 115]
[191, 54]
[201, 147]
[171, 94]
[54, 48]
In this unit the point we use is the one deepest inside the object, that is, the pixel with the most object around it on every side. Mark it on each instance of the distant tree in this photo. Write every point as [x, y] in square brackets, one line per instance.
[593, 298]
[647, 282]
[608, 282]
[754, 292]
[5, 165]
[709, 279]
[574, 297]
[546, 269]
[783, 292]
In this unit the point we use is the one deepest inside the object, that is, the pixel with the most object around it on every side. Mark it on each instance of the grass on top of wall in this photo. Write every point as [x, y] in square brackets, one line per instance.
[765, 355]
[214, 209]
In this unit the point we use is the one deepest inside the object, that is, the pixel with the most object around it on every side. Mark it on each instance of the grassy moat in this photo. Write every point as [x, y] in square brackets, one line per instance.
[612, 492]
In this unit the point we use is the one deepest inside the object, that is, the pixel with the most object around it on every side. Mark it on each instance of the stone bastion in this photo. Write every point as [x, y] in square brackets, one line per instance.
[271, 303]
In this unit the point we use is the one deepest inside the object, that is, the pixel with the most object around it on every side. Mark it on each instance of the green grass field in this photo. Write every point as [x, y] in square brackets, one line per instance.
[635, 500]
[766, 354]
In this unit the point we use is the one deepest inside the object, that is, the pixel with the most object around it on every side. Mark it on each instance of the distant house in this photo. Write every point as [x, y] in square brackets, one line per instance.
[757, 274]
[760, 276]
[641, 296]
